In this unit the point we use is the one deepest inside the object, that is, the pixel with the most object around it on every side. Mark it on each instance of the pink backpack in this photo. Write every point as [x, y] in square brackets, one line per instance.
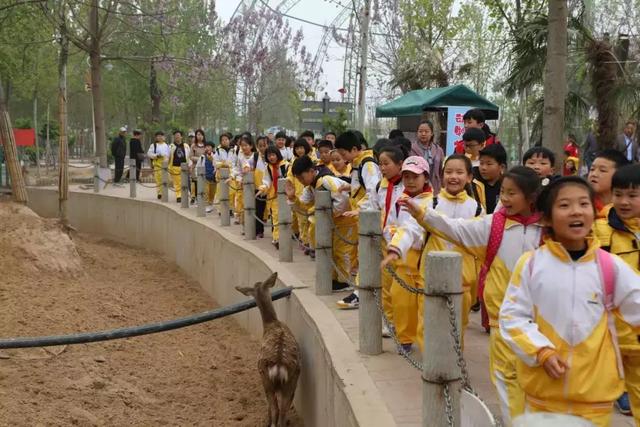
[608, 275]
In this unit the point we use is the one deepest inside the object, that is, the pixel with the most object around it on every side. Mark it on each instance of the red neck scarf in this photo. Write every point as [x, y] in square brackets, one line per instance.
[274, 176]
[387, 201]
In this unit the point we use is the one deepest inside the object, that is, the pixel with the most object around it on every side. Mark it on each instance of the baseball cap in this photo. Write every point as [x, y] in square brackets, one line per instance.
[123, 129]
[191, 133]
[415, 164]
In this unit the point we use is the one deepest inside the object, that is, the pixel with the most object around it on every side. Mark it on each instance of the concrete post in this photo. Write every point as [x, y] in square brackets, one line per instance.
[249, 199]
[369, 258]
[201, 202]
[96, 176]
[443, 278]
[285, 251]
[184, 185]
[132, 178]
[165, 181]
[223, 191]
[324, 242]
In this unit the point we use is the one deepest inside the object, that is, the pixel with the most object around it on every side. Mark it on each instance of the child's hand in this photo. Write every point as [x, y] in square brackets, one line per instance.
[552, 363]
[410, 206]
[228, 181]
[290, 190]
[390, 258]
[351, 214]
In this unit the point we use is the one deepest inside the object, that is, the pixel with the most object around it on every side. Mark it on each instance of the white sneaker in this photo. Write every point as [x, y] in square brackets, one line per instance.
[386, 332]
[209, 209]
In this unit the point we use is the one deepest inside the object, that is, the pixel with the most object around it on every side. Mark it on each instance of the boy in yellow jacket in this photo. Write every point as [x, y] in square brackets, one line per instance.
[158, 152]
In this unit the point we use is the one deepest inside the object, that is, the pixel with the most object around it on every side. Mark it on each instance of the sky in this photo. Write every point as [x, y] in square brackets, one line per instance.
[319, 11]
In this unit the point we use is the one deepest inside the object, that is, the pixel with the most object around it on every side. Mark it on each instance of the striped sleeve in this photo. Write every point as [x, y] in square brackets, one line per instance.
[517, 317]
[371, 177]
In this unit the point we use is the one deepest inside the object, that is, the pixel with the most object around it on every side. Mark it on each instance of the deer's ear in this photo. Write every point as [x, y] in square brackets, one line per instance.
[246, 291]
[271, 281]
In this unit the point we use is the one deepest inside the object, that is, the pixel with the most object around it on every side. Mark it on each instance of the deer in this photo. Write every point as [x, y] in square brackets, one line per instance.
[279, 356]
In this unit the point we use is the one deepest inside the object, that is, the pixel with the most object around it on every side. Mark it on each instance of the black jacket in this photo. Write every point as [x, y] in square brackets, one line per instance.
[135, 147]
[119, 146]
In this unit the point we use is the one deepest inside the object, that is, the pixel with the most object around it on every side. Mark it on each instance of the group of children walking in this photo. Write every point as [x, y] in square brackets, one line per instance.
[553, 262]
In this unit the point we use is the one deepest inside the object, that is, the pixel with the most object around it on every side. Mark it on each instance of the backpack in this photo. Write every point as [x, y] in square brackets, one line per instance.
[322, 171]
[359, 170]
[606, 266]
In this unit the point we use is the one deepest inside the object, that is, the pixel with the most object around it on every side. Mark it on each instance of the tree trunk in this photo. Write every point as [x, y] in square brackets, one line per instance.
[63, 154]
[96, 85]
[555, 81]
[11, 152]
[523, 124]
[35, 128]
[155, 93]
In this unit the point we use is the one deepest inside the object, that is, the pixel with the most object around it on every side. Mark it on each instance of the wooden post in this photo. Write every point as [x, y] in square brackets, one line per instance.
[132, 178]
[96, 175]
[223, 190]
[324, 241]
[443, 278]
[369, 258]
[285, 251]
[201, 203]
[165, 181]
[11, 158]
[184, 186]
[249, 199]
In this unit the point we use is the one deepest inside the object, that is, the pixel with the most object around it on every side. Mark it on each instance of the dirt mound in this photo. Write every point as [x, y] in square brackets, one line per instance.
[31, 244]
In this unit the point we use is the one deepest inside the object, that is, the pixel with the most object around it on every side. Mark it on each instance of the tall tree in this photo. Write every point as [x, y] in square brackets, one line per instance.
[555, 80]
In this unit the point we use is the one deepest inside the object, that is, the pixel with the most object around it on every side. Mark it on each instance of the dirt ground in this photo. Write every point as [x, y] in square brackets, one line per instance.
[204, 375]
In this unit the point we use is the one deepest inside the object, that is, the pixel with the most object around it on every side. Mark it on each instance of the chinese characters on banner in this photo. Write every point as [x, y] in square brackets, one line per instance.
[455, 127]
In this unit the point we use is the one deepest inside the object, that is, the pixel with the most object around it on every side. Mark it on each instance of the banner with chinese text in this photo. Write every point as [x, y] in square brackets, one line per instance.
[455, 127]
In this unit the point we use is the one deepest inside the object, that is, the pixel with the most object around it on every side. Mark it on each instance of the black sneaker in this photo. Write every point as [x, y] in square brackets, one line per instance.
[159, 196]
[312, 254]
[193, 201]
[178, 199]
[476, 307]
[337, 286]
[350, 302]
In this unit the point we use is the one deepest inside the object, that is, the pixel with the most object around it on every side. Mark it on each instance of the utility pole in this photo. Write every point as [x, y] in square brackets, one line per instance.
[364, 54]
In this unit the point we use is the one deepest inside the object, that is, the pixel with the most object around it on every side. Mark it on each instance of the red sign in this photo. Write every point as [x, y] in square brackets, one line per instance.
[25, 137]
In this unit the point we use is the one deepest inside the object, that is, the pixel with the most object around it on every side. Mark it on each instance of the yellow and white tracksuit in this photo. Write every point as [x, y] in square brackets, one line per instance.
[361, 197]
[196, 153]
[240, 162]
[380, 203]
[557, 304]
[273, 173]
[223, 159]
[158, 153]
[473, 235]
[407, 240]
[346, 173]
[463, 206]
[345, 256]
[174, 170]
[287, 154]
[623, 239]
[300, 221]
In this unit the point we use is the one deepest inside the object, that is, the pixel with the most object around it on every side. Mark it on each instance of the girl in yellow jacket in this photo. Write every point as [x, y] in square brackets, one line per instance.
[619, 234]
[454, 201]
[497, 240]
[390, 189]
[239, 167]
[341, 168]
[405, 246]
[276, 168]
[300, 148]
[258, 165]
[557, 314]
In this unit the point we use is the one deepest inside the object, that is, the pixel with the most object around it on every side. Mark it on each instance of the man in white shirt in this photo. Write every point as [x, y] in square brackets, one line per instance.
[627, 143]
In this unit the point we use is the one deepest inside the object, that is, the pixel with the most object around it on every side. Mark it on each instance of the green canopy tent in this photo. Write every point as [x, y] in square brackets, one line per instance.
[416, 102]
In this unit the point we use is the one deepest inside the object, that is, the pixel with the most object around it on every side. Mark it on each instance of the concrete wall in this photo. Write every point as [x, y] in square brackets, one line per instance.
[335, 388]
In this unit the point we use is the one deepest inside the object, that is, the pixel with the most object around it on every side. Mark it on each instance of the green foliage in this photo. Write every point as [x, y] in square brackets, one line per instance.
[22, 123]
[338, 124]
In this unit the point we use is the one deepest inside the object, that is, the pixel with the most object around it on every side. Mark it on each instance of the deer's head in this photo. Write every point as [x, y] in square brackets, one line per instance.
[260, 288]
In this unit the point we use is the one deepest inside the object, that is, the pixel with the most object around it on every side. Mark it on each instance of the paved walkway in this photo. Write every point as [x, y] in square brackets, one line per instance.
[398, 382]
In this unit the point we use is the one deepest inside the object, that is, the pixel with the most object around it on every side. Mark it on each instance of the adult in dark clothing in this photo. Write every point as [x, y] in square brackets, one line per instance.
[119, 151]
[136, 151]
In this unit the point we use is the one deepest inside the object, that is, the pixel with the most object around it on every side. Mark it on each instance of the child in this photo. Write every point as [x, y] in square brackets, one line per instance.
[210, 176]
[179, 155]
[224, 157]
[239, 168]
[497, 240]
[456, 200]
[331, 137]
[158, 152]
[600, 174]
[257, 164]
[493, 163]
[281, 143]
[405, 242]
[313, 178]
[276, 168]
[324, 154]
[389, 190]
[619, 234]
[474, 142]
[543, 161]
[340, 166]
[300, 224]
[308, 136]
[557, 313]
[197, 151]
[365, 176]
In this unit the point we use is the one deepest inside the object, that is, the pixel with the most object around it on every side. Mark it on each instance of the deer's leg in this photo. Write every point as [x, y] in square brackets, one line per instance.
[272, 402]
[286, 400]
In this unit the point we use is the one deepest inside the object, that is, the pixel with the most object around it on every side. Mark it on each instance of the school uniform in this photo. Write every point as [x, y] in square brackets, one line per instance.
[179, 155]
[258, 167]
[365, 176]
[519, 235]
[240, 161]
[196, 153]
[210, 178]
[158, 153]
[557, 303]
[270, 188]
[300, 224]
[407, 239]
[224, 158]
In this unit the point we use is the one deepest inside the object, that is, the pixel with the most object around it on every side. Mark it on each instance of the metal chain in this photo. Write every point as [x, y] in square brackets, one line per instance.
[457, 346]
[402, 283]
[448, 405]
[392, 330]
